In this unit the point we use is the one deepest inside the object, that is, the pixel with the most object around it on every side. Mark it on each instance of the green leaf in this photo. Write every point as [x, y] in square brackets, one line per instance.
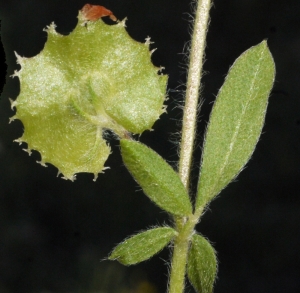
[202, 264]
[143, 245]
[79, 85]
[157, 178]
[236, 121]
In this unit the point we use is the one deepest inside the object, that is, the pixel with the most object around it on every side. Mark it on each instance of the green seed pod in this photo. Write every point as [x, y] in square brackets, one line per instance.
[94, 79]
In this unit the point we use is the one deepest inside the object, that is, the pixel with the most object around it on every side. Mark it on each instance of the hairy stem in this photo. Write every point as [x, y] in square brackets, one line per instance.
[185, 229]
[180, 252]
[193, 89]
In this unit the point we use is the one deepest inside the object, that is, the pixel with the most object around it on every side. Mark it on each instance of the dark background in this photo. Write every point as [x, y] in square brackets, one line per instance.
[55, 234]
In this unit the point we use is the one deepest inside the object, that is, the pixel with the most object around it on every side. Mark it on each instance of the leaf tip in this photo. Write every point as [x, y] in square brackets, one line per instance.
[13, 103]
[51, 29]
[11, 119]
[20, 60]
[28, 150]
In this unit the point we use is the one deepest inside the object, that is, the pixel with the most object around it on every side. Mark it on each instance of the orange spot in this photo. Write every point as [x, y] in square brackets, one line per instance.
[94, 12]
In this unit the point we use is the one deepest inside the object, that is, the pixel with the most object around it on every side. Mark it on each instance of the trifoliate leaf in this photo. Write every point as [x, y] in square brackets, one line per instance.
[142, 246]
[79, 85]
[236, 120]
[202, 264]
[156, 177]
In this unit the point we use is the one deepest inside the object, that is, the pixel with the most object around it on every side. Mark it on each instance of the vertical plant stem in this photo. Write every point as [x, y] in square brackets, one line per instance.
[193, 89]
[181, 244]
[180, 252]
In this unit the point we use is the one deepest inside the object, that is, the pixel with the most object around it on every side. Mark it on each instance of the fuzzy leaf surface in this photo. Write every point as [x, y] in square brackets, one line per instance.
[143, 245]
[156, 177]
[202, 264]
[94, 79]
[236, 121]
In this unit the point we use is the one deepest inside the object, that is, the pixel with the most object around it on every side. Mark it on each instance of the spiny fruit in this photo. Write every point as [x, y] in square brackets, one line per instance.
[97, 78]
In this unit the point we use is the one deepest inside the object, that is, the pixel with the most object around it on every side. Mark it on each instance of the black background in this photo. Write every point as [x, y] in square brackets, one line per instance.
[54, 234]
